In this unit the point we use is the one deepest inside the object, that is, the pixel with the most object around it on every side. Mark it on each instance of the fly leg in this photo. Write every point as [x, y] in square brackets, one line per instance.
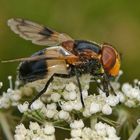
[98, 85]
[106, 85]
[80, 88]
[41, 92]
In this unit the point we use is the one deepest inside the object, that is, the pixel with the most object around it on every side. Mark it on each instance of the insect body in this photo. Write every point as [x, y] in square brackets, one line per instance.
[64, 57]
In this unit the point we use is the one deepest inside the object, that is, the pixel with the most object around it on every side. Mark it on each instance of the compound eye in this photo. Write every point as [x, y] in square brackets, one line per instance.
[108, 57]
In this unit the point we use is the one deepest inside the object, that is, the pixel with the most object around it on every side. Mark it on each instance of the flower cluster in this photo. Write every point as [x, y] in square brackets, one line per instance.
[65, 93]
[131, 93]
[99, 103]
[101, 131]
[13, 96]
[61, 106]
[35, 132]
[128, 94]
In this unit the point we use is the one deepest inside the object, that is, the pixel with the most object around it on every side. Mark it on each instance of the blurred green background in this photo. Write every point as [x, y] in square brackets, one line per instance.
[115, 22]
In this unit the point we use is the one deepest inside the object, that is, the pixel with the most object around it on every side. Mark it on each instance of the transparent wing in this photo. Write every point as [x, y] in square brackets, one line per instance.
[37, 33]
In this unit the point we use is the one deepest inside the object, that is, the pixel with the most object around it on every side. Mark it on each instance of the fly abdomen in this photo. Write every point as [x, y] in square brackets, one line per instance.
[30, 71]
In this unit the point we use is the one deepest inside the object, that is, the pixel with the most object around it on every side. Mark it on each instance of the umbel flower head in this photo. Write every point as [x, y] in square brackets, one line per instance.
[101, 131]
[60, 107]
[35, 132]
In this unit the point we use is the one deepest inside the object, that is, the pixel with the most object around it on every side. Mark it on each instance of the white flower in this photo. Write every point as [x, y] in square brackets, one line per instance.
[50, 113]
[63, 115]
[87, 133]
[51, 106]
[77, 124]
[111, 132]
[77, 105]
[46, 98]
[70, 87]
[35, 132]
[135, 92]
[20, 129]
[49, 129]
[34, 126]
[121, 97]
[67, 106]
[94, 108]
[107, 110]
[112, 100]
[93, 104]
[100, 128]
[76, 133]
[19, 137]
[71, 95]
[85, 93]
[5, 101]
[23, 107]
[55, 97]
[126, 88]
[14, 95]
[37, 105]
[101, 131]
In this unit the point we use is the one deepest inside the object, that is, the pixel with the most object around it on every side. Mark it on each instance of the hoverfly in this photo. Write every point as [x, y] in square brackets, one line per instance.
[64, 56]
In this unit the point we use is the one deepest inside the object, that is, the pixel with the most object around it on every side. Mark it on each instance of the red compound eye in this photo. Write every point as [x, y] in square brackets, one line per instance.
[110, 60]
[108, 57]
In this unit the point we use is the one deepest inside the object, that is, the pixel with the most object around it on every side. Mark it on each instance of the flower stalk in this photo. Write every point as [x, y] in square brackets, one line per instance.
[135, 133]
[5, 127]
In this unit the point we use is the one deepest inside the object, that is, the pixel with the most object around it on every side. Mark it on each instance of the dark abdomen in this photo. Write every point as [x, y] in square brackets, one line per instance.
[32, 70]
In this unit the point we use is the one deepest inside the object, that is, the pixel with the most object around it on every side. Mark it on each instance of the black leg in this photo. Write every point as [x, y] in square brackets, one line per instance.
[106, 85]
[41, 92]
[112, 89]
[80, 88]
[98, 84]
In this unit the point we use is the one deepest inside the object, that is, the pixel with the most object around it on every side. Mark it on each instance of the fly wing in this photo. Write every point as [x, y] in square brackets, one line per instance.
[37, 33]
[40, 67]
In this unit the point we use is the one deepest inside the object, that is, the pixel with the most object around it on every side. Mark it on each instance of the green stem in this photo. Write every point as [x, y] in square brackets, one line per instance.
[68, 129]
[109, 121]
[135, 133]
[35, 114]
[34, 118]
[93, 121]
[5, 127]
